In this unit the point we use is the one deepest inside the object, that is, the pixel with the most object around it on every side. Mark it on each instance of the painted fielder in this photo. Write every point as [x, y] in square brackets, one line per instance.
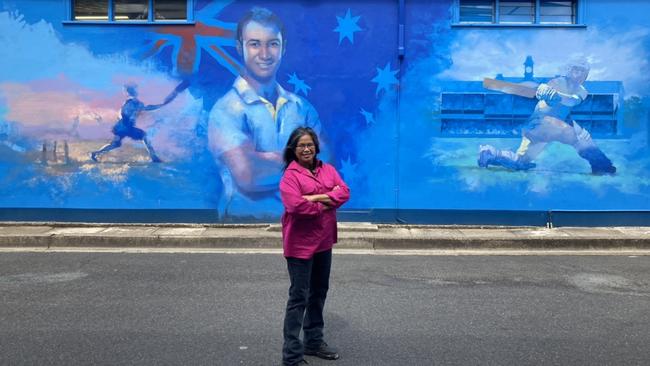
[125, 126]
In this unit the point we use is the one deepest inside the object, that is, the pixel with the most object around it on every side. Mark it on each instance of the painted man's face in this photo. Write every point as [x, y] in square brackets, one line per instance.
[578, 74]
[130, 90]
[262, 50]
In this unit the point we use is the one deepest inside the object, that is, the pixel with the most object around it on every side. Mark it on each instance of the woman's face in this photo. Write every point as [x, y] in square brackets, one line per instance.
[305, 151]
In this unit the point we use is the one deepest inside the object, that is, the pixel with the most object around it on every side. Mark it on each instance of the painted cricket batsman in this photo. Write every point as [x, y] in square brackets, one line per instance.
[551, 121]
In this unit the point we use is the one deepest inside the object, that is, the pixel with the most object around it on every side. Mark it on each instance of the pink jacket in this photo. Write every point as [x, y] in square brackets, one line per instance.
[310, 227]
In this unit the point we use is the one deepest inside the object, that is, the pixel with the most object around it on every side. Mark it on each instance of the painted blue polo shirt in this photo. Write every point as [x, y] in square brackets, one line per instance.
[242, 115]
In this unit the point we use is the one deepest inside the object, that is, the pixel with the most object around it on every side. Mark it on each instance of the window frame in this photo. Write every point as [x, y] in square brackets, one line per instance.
[111, 16]
[579, 21]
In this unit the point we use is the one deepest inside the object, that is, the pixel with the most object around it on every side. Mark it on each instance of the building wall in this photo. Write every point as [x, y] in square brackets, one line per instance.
[403, 131]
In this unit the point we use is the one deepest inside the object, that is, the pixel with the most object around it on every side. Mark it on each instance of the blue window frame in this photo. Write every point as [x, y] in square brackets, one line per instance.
[519, 12]
[131, 11]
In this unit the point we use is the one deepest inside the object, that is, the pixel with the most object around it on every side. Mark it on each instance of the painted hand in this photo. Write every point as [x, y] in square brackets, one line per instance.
[547, 93]
[179, 88]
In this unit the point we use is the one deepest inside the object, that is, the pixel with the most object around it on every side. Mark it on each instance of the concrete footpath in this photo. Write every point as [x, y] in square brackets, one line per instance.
[364, 236]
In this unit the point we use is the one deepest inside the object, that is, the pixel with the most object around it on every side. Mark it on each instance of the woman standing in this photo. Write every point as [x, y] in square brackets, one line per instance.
[311, 192]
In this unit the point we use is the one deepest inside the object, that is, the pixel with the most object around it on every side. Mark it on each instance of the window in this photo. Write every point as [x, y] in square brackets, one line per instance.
[557, 12]
[128, 11]
[517, 12]
[476, 11]
[90, 10]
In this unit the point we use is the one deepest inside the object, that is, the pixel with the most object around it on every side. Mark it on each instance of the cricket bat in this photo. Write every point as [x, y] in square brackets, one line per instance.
[527, 90]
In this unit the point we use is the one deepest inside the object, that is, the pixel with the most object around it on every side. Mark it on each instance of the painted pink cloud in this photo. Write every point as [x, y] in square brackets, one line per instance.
[60, 108]
[49, 107]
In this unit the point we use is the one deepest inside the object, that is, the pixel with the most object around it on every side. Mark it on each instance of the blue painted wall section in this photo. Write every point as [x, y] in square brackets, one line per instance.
[137, 116]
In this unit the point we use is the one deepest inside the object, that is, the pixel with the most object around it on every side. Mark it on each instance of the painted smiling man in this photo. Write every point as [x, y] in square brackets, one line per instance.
[250, 124]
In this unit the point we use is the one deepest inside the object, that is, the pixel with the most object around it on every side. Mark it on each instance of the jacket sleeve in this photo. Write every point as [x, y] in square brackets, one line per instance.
[292, 198]
[341, 195]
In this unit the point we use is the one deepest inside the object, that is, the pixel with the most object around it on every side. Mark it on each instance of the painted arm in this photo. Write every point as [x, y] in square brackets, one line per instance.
[152, 107]
[549, 94]
[168, 99]
[253, 171]
[293, 200]
[570, 100]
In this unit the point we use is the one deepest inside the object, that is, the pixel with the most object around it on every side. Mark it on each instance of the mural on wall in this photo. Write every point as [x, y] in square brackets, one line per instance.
[182, 116]
[196, 116]
[459, 137]
[62, 102]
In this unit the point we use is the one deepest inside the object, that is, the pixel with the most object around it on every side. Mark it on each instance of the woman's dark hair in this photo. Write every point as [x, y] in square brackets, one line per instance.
[292, 144]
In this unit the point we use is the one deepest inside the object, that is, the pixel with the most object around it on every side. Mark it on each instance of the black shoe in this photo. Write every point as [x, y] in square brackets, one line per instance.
[323, 351]
[301, 362]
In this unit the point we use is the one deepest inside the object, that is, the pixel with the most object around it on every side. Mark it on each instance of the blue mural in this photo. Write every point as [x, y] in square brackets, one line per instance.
[447, 114]
[506, 118]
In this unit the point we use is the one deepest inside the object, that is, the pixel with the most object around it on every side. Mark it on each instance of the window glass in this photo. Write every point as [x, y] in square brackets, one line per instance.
[563, 12]
[131, 10]
[516, 11]
[170, 9]
[477, 11]
[91, 10]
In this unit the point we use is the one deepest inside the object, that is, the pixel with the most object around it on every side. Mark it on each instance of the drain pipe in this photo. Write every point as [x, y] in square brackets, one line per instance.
[401, 19]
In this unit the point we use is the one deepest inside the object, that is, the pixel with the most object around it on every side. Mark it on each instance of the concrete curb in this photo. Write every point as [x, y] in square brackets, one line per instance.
[351, 236]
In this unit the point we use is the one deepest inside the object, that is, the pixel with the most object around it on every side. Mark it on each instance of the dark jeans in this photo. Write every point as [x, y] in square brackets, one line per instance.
[309, 284]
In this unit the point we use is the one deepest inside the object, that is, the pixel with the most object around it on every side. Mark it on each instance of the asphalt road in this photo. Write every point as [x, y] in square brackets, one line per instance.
[227, 309]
